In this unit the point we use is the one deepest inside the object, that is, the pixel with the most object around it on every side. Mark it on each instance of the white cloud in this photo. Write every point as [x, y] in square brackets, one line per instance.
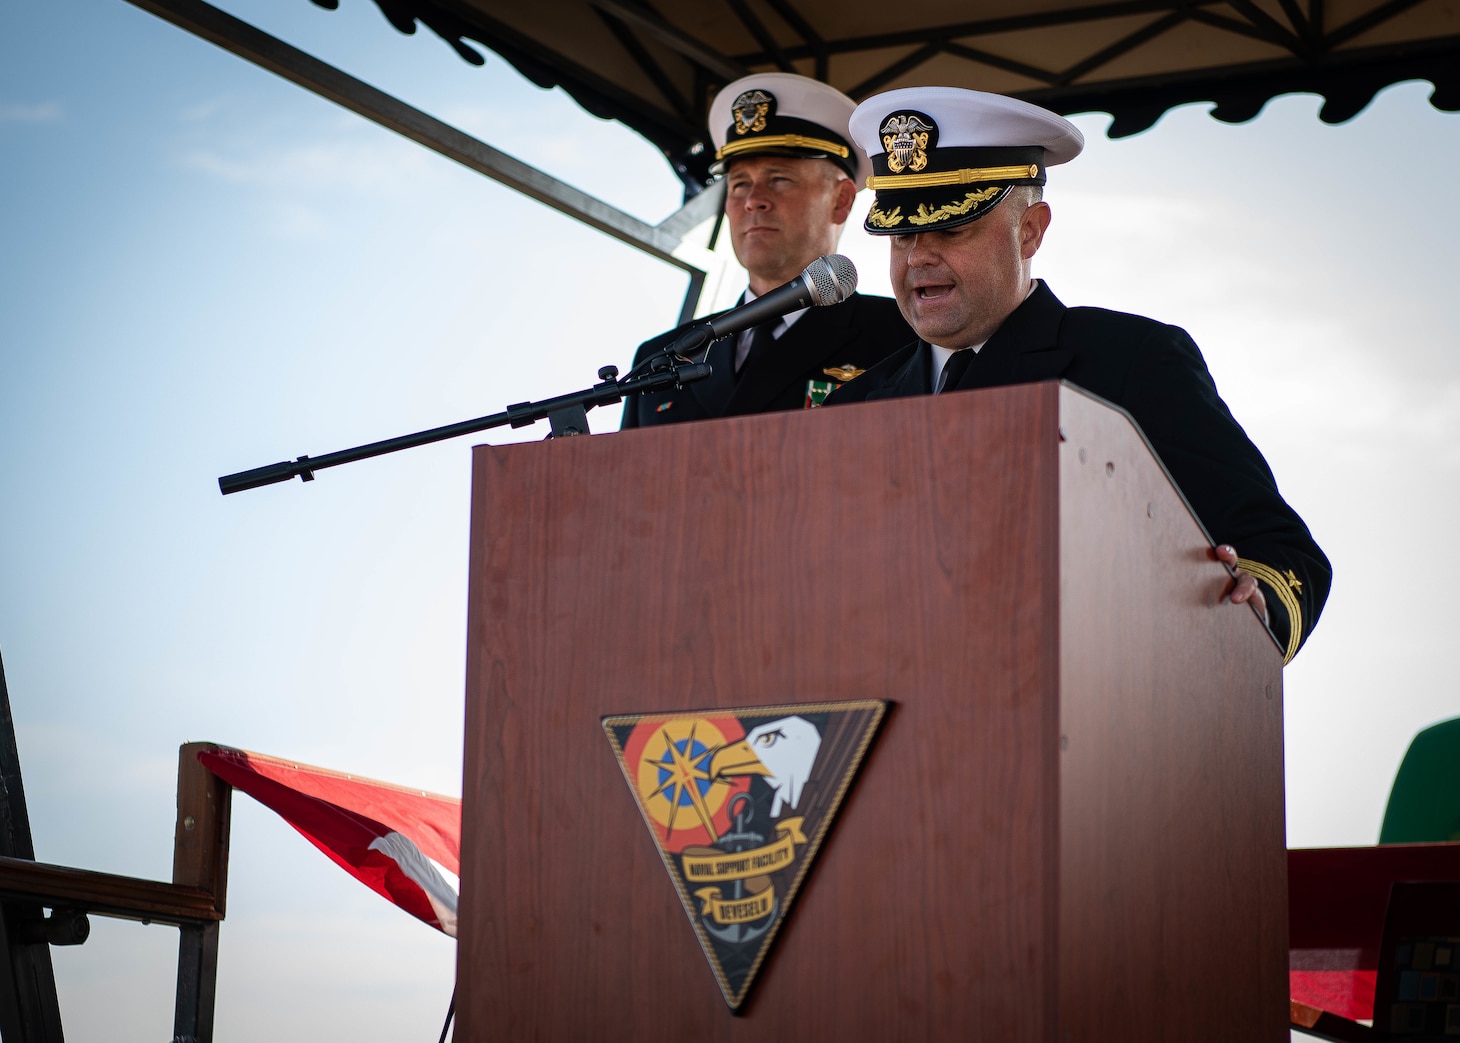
[297, 221]
[574, 148]
[44, 112]
[1309, 346]
[358, 167]
[202, 110]
[1353, 405]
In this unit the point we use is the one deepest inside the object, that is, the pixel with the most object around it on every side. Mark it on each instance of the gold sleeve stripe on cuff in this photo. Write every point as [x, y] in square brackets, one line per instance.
[782, 141]
[966, 176]
[1279, 585]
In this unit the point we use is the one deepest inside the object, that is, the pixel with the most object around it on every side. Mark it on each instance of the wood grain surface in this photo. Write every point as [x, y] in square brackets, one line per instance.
[906, 550]
[1172, 864]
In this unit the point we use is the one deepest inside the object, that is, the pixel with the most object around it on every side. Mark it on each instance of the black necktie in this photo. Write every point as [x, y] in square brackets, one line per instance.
[761, 339]
[953, 369]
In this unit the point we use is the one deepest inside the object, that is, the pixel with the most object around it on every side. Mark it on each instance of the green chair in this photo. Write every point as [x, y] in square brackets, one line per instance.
[1424, 804]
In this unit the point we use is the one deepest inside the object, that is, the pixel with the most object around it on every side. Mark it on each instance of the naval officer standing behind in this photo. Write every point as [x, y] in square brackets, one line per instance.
[791, 174]
[959, 179]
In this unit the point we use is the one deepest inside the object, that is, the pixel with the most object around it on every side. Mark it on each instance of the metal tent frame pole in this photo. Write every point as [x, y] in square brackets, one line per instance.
[672, 240]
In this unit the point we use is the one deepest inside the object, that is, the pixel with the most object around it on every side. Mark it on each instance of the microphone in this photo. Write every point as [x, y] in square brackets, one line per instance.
[826, 280]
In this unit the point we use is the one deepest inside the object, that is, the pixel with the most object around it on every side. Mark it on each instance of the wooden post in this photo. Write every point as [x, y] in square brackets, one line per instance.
[29, 1010]
[199, 859]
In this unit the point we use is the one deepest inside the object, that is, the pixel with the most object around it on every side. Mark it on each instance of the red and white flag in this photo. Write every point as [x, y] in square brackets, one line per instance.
[383, 835]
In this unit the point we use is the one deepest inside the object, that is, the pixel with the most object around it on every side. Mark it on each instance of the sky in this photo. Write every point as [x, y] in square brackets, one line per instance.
[204, 268]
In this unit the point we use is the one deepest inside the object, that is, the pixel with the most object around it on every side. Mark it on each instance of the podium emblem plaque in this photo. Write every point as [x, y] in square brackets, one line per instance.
[738, 802]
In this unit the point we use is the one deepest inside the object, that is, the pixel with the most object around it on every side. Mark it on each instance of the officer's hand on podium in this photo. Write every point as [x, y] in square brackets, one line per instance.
[1245, 588]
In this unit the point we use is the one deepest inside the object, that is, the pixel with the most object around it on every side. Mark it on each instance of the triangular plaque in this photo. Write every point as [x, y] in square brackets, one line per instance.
[738, 803]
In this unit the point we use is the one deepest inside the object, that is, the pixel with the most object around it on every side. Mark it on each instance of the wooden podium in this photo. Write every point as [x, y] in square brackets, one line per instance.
[1070, 826]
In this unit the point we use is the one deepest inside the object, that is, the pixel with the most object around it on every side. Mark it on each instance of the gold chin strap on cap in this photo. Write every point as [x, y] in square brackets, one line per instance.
[782, 141]
[1283, 586]
[966, 176]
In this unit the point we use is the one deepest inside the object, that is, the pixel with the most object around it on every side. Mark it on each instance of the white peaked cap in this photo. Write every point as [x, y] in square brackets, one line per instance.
[801, 112]
[944, 156]
[970, 119]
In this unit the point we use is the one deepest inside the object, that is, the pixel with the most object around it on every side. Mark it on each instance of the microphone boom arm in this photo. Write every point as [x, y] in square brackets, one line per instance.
[826, 280]
[566, 413]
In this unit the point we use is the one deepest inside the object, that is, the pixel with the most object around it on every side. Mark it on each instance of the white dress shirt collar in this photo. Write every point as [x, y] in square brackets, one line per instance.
[941, 355]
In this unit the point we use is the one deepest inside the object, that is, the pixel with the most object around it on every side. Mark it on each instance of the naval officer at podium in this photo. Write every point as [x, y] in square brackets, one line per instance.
[958, 180]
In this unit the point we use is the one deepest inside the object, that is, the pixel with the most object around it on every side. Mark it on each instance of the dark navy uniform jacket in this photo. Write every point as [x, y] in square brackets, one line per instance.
[850, 336]
[1156, 373]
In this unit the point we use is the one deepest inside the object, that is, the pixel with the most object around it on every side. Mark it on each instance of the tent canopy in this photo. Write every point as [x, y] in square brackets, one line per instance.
[657, 68]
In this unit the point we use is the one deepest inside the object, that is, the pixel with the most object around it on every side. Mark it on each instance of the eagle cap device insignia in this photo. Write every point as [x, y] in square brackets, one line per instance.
[751, 111]
[944, 156]
[738, 803]
[783, 114]
[907, 137]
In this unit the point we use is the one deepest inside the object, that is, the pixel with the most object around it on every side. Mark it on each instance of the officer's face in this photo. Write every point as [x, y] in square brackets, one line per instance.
[783, 214]
[956, 287]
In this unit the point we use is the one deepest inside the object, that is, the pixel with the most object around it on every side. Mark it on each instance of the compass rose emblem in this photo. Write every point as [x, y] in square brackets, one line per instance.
[676, 781]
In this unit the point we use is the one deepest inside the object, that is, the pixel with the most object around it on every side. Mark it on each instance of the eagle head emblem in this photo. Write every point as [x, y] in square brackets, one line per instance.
[781, 751]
